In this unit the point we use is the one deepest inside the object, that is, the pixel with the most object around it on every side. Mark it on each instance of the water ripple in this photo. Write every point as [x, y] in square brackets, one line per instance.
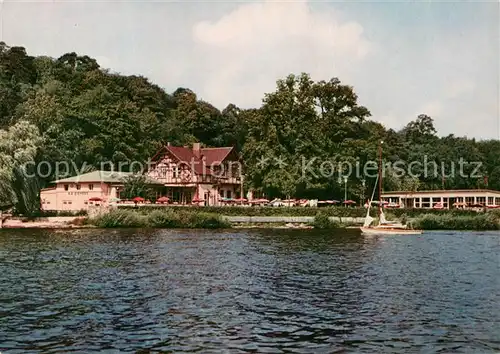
[275, 291]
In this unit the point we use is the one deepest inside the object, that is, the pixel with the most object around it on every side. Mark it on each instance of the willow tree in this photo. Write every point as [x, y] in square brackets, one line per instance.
[18, 180]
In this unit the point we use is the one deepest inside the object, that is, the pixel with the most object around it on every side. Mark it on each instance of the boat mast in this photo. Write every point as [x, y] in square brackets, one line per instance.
[380, 179]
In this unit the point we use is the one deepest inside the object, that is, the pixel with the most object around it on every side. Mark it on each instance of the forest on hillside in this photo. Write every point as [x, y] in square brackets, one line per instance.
[69, 109]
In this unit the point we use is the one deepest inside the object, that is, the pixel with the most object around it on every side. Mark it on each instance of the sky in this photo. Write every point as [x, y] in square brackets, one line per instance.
[402, 58]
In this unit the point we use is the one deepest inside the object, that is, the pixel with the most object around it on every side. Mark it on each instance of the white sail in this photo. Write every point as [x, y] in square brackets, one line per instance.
[368, 221]
[384, 227]
[368, 218]
[383, 220]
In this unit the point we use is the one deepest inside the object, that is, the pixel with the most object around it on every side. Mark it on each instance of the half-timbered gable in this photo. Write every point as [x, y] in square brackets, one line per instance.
[197, 173]
[169, 169]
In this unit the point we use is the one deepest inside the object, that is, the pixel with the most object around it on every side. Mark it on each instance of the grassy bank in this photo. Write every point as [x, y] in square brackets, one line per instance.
[257, 211]
[442, 220]
[52, 213]
[213, 217]
[338, 211]
[479, 221]
[322, 221]
[185, 219]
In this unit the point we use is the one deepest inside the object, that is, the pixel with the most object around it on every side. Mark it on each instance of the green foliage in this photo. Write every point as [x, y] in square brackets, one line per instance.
[301, 121]
[119, 218]
[189, 219]
[420, 131]
[87, 116]
[18, 147]
[201, 220]
[26, 187]
[299, 211]
[495, 212]
[90, 116]
[51, 213]
[137, 186]
[259, 211]
[412, 213]
[169, 218]
[322, 221]
[480, 221]
[162, 219]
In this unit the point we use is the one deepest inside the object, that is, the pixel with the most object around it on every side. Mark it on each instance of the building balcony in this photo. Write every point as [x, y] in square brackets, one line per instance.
[229, 180]
[177, 181]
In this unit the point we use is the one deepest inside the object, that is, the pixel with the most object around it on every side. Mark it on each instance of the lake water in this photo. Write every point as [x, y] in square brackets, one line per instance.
[270, 291]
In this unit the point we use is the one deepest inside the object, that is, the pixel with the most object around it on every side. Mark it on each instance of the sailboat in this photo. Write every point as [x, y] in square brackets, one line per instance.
[384, 227]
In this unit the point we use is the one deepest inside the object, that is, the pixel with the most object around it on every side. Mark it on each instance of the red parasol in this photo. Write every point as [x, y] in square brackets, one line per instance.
[333, 201]
[162, 200]
[256, 201]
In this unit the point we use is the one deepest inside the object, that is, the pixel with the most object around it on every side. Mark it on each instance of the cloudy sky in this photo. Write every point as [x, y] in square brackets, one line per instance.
[403, 58]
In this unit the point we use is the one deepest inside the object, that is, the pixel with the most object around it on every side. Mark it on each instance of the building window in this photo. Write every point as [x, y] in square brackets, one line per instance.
[70, 202]
[66, 187]
[91, 187]
[481, 200]
[228, 193]
[64, 202]
[491, 200]
[175, 172]
[85, 203]
[497, 201]
[78, 187]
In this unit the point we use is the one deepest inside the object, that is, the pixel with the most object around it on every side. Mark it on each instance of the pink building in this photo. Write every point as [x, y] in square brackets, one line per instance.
[200, 175]
[80, 192]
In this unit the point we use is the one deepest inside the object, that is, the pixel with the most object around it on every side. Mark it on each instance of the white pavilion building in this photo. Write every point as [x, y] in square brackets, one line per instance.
[444, 198]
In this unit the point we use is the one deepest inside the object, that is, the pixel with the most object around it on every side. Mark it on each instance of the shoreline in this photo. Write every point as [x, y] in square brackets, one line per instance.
[256, 226]
[202, 220]
[237, 222]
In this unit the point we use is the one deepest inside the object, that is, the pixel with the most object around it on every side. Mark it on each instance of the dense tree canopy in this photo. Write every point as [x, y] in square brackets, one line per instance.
[75, 112]
[137, 186]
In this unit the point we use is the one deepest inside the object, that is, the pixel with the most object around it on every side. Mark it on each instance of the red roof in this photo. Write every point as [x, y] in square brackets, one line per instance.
[213, 156]
[186, 155]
